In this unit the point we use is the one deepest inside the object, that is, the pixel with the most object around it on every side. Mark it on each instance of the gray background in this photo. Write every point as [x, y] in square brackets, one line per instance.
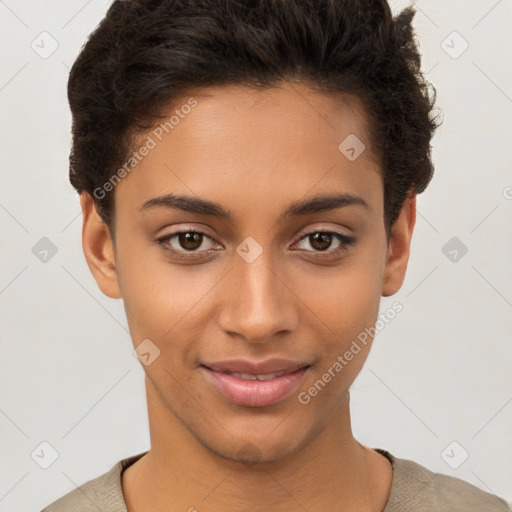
[439, 373]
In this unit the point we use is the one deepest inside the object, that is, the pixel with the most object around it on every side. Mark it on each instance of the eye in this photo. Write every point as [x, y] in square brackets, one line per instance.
[187, 241]
[322, 240]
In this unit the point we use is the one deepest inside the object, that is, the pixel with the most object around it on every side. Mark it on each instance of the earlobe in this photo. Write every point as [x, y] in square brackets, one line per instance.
[399, 248]
[98, 249]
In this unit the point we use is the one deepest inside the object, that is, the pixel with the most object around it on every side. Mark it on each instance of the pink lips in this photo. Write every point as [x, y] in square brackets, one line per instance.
[255, 393]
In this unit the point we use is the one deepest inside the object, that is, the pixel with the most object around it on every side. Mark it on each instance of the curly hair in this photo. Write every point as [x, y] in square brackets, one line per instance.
[145, 54]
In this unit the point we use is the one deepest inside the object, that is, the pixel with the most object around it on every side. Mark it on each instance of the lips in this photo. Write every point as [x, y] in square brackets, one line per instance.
[256, 368]
[255, 384]
[249, 376]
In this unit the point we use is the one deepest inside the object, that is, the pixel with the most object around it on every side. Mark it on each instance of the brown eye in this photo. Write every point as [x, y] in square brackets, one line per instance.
[190, 240]
[186, 241]
[321, 241]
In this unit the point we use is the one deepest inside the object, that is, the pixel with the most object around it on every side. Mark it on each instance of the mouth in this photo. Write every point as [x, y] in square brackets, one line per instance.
[248, 376]
[255, 387]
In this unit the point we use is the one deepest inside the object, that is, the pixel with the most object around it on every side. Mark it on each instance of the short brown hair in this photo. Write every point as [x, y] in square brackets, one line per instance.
[146, 53]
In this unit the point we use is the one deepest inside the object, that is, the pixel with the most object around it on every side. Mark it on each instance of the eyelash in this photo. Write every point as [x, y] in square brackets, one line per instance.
[345, 240]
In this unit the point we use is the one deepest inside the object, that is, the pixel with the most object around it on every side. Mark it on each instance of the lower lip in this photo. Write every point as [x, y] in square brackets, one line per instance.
[255, 393]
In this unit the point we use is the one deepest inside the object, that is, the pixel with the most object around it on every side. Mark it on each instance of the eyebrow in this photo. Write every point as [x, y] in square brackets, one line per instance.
[200, 206]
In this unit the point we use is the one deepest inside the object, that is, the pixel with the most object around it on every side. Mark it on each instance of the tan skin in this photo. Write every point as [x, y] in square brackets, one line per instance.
[254, 152]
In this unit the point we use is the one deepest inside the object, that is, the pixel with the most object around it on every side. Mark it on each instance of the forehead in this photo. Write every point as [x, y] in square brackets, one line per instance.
[256, 148]
[269, 113]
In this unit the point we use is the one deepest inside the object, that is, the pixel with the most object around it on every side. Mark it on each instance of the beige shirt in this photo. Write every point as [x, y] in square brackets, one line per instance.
[414, 489]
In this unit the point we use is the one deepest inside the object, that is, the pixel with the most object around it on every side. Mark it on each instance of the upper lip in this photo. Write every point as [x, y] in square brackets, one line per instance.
[256, 367]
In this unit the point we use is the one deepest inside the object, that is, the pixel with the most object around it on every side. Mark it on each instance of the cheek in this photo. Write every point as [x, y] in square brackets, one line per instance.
[157, 295]
[345, 299]
[346, 308]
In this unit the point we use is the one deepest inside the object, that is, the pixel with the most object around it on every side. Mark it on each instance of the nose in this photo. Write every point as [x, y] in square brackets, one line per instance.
[258, 300]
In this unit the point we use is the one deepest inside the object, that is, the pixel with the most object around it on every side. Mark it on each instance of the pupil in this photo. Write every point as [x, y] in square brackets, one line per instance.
[324, 239]
[189, 240]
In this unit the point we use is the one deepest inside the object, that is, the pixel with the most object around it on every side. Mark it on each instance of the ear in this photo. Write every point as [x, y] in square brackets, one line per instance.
[398, 249]
[98, 248]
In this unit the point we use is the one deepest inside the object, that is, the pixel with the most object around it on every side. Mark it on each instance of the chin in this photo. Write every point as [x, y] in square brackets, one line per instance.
[256, 449]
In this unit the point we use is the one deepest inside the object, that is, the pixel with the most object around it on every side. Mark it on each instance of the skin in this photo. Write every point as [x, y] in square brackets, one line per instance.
[254, 152]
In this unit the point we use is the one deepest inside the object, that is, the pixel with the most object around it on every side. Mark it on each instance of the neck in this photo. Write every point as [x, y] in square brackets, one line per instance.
[330, 471]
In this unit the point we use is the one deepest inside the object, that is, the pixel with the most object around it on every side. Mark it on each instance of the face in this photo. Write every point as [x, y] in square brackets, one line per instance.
[269, 279]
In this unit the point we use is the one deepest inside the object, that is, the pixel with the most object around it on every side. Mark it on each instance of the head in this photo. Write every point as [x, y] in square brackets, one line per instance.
[260, 108]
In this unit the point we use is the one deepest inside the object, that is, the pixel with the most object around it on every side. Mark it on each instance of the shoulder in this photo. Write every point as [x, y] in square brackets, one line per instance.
[415, 487]
[101, 493]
